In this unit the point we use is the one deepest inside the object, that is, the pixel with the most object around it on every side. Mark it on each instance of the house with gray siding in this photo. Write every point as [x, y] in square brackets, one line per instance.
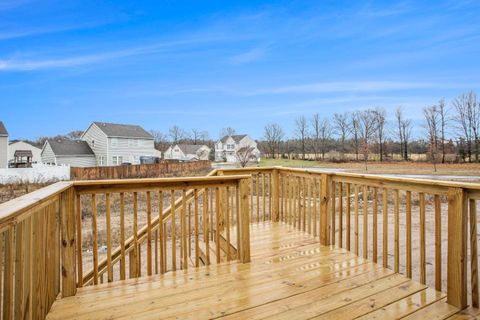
[3, 146]
[188, 152]
[67, 152]
[227, 147]
[114, 144]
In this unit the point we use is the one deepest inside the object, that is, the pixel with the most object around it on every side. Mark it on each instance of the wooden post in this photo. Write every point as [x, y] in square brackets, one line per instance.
[324, 202]
[67, 216]
[457, 248]
[244, 222]
[276, 196]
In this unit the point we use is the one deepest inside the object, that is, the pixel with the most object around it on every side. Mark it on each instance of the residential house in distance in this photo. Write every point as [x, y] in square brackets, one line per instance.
[3, 146]
[188, 152]
[67, 152]
[21, 153]
[227, 147]
[114, 144]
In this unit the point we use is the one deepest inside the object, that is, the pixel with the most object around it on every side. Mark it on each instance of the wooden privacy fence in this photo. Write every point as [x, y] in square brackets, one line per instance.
[74, 234]
[156, 170]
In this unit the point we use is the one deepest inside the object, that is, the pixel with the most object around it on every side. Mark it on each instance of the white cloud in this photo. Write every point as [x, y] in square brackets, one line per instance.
[249, 56]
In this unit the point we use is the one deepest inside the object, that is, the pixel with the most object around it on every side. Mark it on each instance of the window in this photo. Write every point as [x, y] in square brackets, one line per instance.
[114, 142]
[117, 160]
[230, 146]
[102, 160]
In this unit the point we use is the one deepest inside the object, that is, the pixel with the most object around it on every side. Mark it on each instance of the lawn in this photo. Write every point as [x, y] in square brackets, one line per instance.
[289, 163]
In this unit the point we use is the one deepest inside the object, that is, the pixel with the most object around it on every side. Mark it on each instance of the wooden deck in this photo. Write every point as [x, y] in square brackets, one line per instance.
[290, 277]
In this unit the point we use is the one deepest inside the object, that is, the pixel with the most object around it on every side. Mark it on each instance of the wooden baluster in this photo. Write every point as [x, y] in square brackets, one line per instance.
[270, 196]
[299, 203]
[8, 273]
[165, 251]
[305, 194]
[227, 221]
[206, 224]
[375, 225]
[173, 230]
[438, 244]
[109, 238]
[189, 227]
[365, 222]
[385, 227]
[161, 234]
[195, 219]
[315, 197]
[347, 217]
[294, 202]
[156, 250]
[291, 205]
[473, 250]
[2, 250]
[356, 226]
[264, 196]
[95, 239]
[122, 237]
[333, 211]
[340, 214]
[237, 210]
[397, 230]
[149, 234]
[324, 203]
[244, 222]
[284, 198]
[257, 181]
[217, 220]
[422, 239]
[183, 224]
[408, 237]
[211, 215]
[251, 198]
[309, 204]
[78, 217]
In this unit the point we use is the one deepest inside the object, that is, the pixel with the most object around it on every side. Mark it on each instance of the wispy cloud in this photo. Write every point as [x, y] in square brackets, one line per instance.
[11, 4]
[16, 64]
[249, 56]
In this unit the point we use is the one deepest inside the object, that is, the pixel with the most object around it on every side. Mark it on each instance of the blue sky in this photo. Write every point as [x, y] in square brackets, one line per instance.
[212, 64]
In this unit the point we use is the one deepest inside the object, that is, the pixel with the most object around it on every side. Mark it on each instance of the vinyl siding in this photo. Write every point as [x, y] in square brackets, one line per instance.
[77, 161]
[172, 153]
[97, 140]
[3, 152]
[47, 154]
[130, 153]
[20, 145]
[220, 148]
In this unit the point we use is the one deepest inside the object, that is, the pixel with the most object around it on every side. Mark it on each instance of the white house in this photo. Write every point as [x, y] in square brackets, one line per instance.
[188, 152]
[3, 146]
[227, 147]
[16, 147]
[114, 144]
[67, 152]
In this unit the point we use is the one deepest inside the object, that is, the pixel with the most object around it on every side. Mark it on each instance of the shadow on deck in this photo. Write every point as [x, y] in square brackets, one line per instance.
[290, 277]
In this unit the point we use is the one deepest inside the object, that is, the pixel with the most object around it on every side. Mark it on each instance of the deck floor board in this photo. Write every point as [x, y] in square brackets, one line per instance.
[290, 277]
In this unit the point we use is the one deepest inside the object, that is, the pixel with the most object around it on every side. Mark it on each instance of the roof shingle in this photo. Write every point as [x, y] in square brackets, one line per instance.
[63, 147]
[3, 130]
[123, 130]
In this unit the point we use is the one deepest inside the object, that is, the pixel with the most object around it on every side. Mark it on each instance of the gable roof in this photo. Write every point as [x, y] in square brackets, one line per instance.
[123, 130]
[236, 137]
[3, 130]
[11, 142]
[190, 148]
[63, 147]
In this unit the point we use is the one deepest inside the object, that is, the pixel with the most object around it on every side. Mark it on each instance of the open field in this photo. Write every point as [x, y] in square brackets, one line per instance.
[464, 169]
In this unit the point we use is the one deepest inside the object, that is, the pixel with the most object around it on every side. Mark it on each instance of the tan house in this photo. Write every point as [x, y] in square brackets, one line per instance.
[188, 152]
[24, 150]
[67, 152]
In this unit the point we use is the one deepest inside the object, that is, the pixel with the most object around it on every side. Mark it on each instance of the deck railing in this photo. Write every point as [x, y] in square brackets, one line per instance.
[50, 238]
[73, 234]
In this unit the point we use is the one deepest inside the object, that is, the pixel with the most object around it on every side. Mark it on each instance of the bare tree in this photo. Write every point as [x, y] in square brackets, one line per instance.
[355, 128]
[301, 132]
[443, 114]
[380, 120]
[244, 155]
[160, 140]
[196, 134]
[433, 126]
[467, 119]
[273, 135]
[325, 136]
[404, 129]
[367, 127]
[315, 122]
[176, 134]
[342, 128]
[228, 131]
